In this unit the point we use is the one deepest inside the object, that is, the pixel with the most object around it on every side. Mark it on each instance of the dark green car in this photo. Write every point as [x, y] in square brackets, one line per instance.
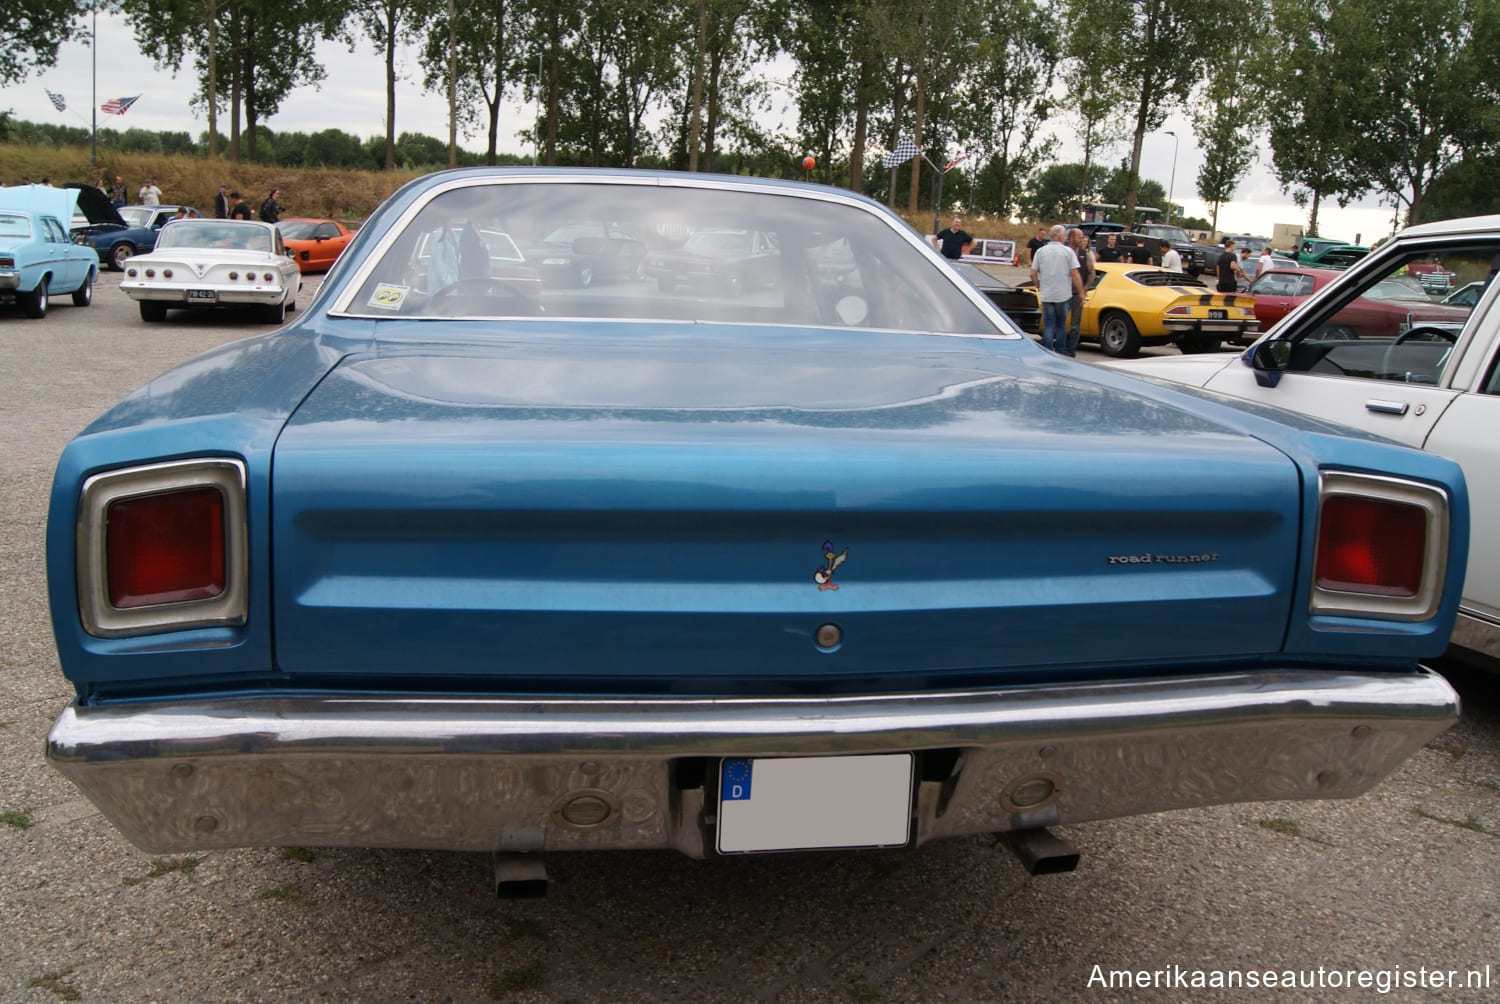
[1322, 252]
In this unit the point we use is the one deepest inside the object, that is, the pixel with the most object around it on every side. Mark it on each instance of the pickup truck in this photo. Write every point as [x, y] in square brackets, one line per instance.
[1196, 257]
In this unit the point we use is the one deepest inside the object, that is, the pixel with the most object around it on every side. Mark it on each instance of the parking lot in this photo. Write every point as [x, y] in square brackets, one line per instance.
[1397, 891]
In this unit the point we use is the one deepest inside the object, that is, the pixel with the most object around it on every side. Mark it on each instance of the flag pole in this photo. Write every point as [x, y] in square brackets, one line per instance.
[94, 104]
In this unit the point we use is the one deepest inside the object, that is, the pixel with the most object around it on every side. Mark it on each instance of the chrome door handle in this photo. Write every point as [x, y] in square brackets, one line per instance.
[1387, 407]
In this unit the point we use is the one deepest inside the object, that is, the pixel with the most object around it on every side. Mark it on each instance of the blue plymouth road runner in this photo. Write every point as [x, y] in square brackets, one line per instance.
[836, 558]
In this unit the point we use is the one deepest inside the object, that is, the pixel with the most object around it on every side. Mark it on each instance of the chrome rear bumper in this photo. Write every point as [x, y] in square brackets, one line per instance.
[479, 774]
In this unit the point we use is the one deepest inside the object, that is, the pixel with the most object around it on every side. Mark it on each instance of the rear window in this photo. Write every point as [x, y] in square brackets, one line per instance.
[646, 251]
[1158, 277]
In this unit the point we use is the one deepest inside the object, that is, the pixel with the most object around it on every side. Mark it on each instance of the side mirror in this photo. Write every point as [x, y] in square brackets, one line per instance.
[1269, 359]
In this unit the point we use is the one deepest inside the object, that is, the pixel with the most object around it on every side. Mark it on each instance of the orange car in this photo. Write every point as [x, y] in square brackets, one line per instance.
[314, 243]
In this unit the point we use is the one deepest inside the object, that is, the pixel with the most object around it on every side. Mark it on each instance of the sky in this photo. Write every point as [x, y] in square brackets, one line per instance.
[352, 98]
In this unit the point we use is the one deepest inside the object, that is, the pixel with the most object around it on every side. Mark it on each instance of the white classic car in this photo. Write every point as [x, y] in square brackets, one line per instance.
[1430, 384]
[215, 263]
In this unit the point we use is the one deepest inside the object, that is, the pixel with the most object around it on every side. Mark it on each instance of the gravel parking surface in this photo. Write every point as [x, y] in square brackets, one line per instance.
[1402, 881]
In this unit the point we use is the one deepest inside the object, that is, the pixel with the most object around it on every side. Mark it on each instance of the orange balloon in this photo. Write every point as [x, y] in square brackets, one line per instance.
[808, 163]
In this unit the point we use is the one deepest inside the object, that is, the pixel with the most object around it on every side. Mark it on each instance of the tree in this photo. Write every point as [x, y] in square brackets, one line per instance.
[31, 32]
[1228, 119]
[1464, 189]
[1053, 193]
[486, 46]
[922, 36]
[260, 51]
[1092, 95]
[388, 23]
[1323, 82]
[1010, 99]
[1437, 99]
[1117, 187]
[1161, 49]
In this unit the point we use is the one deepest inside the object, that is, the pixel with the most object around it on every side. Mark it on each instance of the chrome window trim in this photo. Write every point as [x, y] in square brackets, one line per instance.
[104, 620]
[1429, 595]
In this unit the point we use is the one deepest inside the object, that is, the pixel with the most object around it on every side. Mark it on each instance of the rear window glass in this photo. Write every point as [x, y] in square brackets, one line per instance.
[646, 251]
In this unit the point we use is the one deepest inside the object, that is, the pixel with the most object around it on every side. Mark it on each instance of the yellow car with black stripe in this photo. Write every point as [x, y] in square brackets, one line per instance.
[1133, 305]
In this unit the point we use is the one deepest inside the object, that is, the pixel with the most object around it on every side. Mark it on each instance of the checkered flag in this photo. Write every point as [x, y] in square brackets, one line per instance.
[905, 150]
[58, 101]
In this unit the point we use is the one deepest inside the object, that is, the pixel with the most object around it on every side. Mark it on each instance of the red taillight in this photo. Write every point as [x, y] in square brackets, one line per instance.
[1372, 546]
[165, 548]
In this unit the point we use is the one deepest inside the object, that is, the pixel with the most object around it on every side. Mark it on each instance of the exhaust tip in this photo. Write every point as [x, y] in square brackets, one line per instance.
[520, 876]
[1041, 853]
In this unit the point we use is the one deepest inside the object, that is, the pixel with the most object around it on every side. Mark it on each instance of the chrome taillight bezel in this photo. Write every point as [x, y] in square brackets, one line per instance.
[104, 620]
[1433, 500]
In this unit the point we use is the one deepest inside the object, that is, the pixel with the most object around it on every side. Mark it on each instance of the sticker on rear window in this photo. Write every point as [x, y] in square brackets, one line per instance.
[388, 296]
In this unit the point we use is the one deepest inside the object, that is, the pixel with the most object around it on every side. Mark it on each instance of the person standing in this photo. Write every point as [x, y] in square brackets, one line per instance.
[117, 192]
[1079, 241]
[1111, 249]
[1170, 259]
[954, 241]
[1035, 244]
[1248, 266]
[1265, 262]
[1229, 269]
[149, 194]
[221, 203]
[239, 209]
[270, 211]
[1054, 270]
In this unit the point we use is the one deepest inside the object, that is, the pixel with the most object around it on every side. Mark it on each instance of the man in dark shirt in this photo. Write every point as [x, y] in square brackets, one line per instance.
[239, 209]
[1038, 241]
[221, 203]
[953, 242]
[1110, 250]
[1229, 269]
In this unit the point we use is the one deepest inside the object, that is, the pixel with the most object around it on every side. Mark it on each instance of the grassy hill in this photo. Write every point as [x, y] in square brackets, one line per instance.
[333, 193]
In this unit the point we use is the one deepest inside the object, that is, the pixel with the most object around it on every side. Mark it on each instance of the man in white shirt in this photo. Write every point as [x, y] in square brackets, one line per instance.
[149, 194]
[1054, 270]
[1170, 258]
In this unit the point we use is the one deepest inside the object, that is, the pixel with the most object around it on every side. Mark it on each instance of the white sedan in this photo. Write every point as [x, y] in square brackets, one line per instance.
[1431, 381]
[201, 264]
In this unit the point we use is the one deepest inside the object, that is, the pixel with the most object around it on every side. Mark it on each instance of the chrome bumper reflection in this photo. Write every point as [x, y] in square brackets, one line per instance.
[476, 774]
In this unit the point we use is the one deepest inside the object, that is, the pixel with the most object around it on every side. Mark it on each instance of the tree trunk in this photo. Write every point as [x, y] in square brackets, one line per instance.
[861, 127]
[699, 52]
[390, 87]
[916, 162]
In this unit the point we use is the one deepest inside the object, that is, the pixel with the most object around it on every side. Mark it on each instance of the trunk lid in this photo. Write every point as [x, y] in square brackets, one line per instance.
[652, 512]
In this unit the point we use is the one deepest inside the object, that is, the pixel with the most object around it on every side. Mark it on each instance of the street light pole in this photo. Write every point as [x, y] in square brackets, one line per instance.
[1172, 184]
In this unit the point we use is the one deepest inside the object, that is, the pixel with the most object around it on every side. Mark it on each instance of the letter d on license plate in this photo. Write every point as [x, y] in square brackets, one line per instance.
[806, 803]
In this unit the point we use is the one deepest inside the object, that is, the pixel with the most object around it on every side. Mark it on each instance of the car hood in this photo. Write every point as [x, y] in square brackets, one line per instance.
[651, 509]
[95, 205]
[1195, 370]
[55, 202]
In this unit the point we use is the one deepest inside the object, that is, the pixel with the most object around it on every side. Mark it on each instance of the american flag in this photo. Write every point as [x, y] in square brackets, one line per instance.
[58, 101]
[118, 106]
[905, 150]
[954, 163]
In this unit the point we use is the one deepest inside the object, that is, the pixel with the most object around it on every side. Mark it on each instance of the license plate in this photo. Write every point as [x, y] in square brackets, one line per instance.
[1218, 315]
[807, 803]
[202, 296]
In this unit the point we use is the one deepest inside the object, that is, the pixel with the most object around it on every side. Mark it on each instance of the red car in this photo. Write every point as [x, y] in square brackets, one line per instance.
[1388, 308]
[315, 244]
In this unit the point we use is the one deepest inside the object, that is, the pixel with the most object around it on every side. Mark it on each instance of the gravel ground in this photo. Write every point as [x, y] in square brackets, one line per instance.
[1405, 877]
